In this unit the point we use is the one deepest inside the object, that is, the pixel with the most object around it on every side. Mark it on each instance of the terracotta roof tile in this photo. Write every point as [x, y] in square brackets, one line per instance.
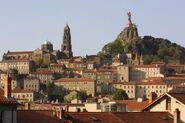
[145, 117]
[134, 104]
[4, 100]
[20, 52]
[122, 117]
[37, 116]
[22, 91]
[178, 96]
[43, 72]
[74, 79]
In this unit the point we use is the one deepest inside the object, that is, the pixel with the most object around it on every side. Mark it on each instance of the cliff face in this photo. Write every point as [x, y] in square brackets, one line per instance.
[128, 34]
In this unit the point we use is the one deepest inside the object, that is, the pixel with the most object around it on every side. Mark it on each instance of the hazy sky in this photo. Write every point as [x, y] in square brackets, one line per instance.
[26, 24]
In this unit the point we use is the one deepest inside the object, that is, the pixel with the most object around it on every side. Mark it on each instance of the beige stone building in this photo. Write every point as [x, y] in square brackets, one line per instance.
[138, 72]
[80, 84]
[44, 75]
[23, 95]
[32, 83]
[136, 90]
[16, 55]
[23, 66]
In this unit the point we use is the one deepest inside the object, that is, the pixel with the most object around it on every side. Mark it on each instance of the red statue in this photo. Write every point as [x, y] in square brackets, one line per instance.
[129, 19]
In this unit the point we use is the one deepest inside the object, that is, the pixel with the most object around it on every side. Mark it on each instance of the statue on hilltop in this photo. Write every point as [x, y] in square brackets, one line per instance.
[129, 19]
[129, 33]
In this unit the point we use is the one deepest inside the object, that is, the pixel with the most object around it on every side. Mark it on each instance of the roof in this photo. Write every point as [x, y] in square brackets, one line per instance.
[92, 117]
[16, 60]
[174, 78]
[134, 104]
[37, 116]
[122, 117]
[145, 117]
[140, 83]
[22, 91]
[89, 71]
[4, 100]
[20, 52]
[43, 72]
[144, 66]
[74, 79]
[178, 96]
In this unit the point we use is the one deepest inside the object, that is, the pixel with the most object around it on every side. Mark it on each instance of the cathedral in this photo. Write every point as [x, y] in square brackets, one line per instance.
[46, 52]
[66, 47]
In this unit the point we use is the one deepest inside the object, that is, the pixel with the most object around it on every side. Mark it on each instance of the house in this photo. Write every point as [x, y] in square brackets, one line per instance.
[136, 90]
[44, 75]
[134, 105]
[138, 72]
[8, 105]
[81, 84]
[170, 102]
[24, 66]
[23, 95]
[32, 83]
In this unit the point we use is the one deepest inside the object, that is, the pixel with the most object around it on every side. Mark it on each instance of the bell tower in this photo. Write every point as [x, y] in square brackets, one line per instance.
[66, 47]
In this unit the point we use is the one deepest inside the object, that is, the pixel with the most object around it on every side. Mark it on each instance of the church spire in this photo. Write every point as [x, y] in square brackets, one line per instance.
[66, 45]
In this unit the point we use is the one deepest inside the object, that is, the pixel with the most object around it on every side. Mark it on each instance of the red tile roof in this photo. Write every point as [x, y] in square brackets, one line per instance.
[20, 52]
[145, 117]
[22, 91]
[57, 65]
[74, 79]
[122, 117]
[43, 72]
[89, 71]
[134, 104]
[144, 66]
[4, 100]
[93, 117]
[37, 116]
[179, 96]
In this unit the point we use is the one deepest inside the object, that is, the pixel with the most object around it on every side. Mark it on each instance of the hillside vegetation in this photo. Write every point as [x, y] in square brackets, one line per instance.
[152, 49]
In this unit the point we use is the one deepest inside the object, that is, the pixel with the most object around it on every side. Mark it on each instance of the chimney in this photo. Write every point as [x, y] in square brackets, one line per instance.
[176, 116]
[152, 97]
[7, 87]
[27, 106]
[58, 112]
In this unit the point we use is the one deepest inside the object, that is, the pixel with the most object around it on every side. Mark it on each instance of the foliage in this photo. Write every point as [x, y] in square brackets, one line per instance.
[112, 49]
[55, 92]
[152, 49]
[120, 95]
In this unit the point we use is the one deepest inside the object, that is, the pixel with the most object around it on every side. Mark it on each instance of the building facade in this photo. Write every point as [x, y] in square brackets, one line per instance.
[81, 84]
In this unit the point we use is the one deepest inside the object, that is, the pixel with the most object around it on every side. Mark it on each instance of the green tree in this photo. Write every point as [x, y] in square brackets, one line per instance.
[119, 95]
[112, 49]
[82, 95]
[39, 62]
[49, 90]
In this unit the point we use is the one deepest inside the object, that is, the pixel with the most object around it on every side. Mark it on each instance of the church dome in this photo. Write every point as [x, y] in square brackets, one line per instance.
[47, 42]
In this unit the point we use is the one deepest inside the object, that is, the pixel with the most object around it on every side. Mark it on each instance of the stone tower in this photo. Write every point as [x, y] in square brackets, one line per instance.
[129, 32]
[66, 45]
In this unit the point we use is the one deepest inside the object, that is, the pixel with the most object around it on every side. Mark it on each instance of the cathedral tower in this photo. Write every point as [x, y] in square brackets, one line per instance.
[66, 45]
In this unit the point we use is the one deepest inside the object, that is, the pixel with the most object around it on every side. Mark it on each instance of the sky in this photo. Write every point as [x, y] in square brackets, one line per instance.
[26, 24]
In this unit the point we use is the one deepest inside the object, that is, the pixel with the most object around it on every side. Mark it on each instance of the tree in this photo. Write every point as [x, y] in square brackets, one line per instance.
[49, 89]
[112, 49]
[82, 95]
[39, 62]
[120, 95]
